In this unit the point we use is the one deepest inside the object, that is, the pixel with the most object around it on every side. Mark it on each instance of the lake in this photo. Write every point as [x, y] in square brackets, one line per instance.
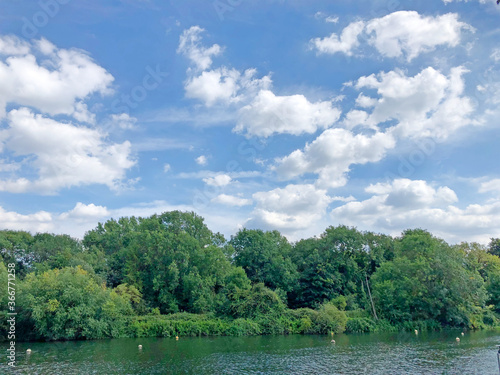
[397, 353]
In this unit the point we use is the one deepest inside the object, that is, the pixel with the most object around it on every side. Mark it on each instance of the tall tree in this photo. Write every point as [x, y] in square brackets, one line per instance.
[265, 257]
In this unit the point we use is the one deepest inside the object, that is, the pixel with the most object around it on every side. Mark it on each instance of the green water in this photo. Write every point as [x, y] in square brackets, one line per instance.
[402, 353]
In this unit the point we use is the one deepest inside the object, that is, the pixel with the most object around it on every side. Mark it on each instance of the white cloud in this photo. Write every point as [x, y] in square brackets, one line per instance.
[331, 19]
[219, 180]
[12, 45]
[55, 83]
[428, 104]
[407, 194]
[38, 222]
[404, 204]
[214, 85]
[261, 112]
[347, 41]
[495, 55]
[490, 186]
[293, 208]
[269, 114]
[201, 160]
[409, 33]
[124, 121]
[166, 167]
[189, 46]
[63, 155]
[225, 86]
[402, 33]
[331, 155]
[231, 200]
[450, 1]
[84, 212]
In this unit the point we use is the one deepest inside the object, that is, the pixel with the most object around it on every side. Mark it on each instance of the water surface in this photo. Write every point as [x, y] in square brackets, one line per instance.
[378, 354]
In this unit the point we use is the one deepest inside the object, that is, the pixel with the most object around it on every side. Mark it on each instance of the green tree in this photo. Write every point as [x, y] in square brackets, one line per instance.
[427, 281]
[265, 257]
[494, 246]
[70, 304]
[481, 260]
[15, 248]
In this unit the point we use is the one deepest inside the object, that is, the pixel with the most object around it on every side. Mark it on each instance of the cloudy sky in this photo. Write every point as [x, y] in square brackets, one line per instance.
[272, 114]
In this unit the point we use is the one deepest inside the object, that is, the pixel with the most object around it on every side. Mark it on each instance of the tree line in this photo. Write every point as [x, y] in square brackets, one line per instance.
[169, 274]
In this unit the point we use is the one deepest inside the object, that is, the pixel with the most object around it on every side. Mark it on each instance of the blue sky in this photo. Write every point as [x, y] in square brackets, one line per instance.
[288, 115]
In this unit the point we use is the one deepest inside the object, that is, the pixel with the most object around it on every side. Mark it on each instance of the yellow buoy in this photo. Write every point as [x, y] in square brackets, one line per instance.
[457, 339]
[416, 332]
[332, 333]
[177, 337]
[463, 334]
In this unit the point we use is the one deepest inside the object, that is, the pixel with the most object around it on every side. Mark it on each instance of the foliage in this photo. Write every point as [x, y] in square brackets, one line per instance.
[70, 304]
[427, 280]
[265, 257]
[360, 325]
[169, 274]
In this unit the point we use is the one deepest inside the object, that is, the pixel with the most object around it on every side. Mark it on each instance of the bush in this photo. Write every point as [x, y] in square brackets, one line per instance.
[360, 325]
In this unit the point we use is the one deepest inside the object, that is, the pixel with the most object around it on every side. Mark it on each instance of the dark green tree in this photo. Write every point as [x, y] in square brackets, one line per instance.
[265, 257]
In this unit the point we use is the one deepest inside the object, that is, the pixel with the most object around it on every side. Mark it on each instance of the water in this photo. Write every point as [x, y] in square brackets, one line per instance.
[387, 354]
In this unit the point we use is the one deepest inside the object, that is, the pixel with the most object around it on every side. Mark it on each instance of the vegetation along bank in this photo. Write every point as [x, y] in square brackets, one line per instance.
[170, 275]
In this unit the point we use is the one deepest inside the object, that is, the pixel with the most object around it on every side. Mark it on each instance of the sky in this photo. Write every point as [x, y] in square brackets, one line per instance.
[269, 114]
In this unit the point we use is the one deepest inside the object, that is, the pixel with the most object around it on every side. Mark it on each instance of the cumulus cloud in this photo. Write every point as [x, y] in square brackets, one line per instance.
[345, 43]
[12, 45]
[402, 33]
[231, 200]
[85, 212]
[54, 81]
[201, 160]
[219, 180]
[269, 114]
[405, 193]
[410, 34]
[61, 154]
[404, 204]
[257, 110]
[331, 155]
[490, 186]
[428, 104]
[225, 86]
[295, 207]
[38, 222]
[190, 46]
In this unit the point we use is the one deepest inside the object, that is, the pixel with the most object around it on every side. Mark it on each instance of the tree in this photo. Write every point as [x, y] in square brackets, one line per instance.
[15, 248]
[427, 281]
[70, 304]
[265, 257]
[494, 246]
[481, 260]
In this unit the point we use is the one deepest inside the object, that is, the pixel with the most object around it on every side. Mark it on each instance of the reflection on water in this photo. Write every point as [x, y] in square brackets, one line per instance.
[387, 354]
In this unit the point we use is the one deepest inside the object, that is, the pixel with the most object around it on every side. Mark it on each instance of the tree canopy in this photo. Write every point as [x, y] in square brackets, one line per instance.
[168, 264]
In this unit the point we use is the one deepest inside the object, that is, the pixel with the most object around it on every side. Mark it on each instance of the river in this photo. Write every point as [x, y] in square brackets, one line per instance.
[377, 354]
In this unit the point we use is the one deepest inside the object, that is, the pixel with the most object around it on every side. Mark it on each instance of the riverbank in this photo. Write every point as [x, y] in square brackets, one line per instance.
[170, 275]
[292, 322]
